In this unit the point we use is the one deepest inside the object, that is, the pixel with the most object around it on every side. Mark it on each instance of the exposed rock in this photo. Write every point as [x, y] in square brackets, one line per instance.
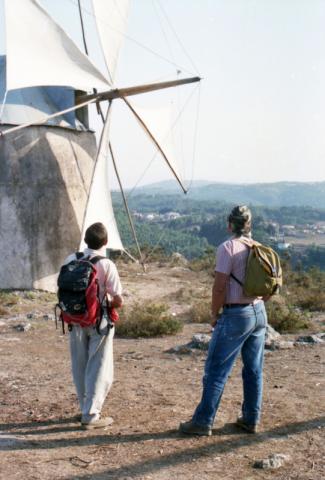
[178, 259]
[271, 335]
[311, 339]
[23, 327]
[181, 349]
[200, 341]
[276, 460]
[279, 345]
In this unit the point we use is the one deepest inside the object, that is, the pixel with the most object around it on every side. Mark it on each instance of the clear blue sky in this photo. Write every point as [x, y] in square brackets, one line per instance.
[262, 113]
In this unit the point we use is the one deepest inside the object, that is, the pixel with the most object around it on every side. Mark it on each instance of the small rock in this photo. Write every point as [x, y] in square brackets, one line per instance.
[179, 259]
[30, 315]
[279, 345]
[23, 327]
[310, 339]
[276, 460]
[200, 341]
[271, 335]
[181, 349]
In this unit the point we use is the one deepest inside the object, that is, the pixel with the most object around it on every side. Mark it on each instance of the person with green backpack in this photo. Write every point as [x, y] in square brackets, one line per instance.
[246, 274]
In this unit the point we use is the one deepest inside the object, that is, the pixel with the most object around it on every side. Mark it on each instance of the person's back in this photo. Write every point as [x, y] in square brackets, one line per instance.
[91, 348]
[240, 328]
[232, 258]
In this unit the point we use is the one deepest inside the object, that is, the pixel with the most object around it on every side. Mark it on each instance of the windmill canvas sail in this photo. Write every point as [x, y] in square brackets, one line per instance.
[111, 18]
[160, 121]
[39, 52]
[99, 207]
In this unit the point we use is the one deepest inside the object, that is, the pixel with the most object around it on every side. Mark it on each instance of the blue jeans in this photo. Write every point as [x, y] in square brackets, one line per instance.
[239, 329]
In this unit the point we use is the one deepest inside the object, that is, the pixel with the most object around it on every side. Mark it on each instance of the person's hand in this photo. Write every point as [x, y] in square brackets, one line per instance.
[214, 319]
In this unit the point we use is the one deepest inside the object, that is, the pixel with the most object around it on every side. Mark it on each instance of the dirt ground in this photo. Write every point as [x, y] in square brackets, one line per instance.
[40, 437]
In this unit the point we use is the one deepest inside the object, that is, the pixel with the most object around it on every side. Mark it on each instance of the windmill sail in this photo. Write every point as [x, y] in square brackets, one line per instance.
[111, 20]
[99, 207]
[160, 121]
[39, 52]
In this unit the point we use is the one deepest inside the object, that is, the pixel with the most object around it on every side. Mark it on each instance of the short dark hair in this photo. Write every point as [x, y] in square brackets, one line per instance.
[96, 236]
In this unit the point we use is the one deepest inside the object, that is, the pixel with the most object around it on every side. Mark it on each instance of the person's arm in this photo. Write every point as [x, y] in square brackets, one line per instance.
[218, 295]
[117, 301]
[113, 286]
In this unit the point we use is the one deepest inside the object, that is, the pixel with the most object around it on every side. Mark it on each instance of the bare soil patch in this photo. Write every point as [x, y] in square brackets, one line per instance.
[153, 391]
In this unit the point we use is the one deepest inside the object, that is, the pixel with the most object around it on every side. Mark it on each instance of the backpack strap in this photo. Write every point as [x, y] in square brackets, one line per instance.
[96, 259]
[92, 260]
[249, 243]
[236, 279]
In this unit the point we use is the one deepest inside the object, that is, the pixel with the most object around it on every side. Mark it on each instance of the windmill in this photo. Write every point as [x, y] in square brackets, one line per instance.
[53, 176]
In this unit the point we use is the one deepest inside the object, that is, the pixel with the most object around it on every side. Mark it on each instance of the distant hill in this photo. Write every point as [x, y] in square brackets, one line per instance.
[267, 194]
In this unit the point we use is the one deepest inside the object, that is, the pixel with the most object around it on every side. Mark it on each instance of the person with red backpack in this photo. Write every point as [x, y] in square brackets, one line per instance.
[89, 292]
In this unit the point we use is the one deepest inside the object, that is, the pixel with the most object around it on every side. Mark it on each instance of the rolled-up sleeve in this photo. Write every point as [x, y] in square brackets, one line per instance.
[224, 260]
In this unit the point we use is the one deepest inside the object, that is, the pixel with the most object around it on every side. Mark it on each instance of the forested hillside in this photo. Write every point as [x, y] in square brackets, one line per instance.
[272, 194]
[167, 223]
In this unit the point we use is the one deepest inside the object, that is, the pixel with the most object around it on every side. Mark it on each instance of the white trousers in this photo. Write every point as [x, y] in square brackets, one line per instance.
[92, 368]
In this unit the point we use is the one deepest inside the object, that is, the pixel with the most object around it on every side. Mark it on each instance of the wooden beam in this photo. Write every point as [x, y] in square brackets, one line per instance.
[129, 91]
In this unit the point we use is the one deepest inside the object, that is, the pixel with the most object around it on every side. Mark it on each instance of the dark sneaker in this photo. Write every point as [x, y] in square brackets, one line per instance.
[250, 428]
[191, 428]
[96, 423]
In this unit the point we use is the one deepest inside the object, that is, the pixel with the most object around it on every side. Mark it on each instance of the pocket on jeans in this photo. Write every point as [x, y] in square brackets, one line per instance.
[238, 326]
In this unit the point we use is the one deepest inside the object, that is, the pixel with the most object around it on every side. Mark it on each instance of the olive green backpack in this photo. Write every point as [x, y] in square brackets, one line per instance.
[263, 275]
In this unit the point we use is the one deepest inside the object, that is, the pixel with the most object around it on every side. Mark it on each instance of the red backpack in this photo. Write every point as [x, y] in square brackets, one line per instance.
[78, 293]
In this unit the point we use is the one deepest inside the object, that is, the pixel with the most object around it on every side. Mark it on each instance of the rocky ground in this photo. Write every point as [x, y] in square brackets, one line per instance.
[153, 391]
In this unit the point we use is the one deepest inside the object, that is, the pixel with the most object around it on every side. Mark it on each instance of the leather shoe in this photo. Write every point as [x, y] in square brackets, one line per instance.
[191, 428]
[250, 428]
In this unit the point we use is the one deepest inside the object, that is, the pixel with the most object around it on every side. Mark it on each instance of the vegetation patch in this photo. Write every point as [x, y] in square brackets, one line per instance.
[147, 320]
[200, 312]
[286, 319]
[8, 298]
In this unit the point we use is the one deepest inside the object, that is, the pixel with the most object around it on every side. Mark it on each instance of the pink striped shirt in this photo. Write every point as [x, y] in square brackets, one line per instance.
[232, 258]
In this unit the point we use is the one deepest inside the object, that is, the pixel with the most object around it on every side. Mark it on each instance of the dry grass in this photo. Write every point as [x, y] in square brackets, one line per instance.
[147, 320]
[200, 312]
[285, 318]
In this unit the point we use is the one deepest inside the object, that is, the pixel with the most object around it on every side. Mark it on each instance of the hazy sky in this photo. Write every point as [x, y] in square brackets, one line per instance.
[262, 100]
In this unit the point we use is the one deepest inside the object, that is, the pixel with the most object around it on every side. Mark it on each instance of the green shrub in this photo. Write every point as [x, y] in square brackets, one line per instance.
[147, 320]
[285, 318]
[200, 312]
[312, 300]
[8, 299]
[206, 263]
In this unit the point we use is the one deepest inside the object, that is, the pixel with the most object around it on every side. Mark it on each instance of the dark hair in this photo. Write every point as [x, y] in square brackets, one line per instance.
[96, 236]
[240, 220]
